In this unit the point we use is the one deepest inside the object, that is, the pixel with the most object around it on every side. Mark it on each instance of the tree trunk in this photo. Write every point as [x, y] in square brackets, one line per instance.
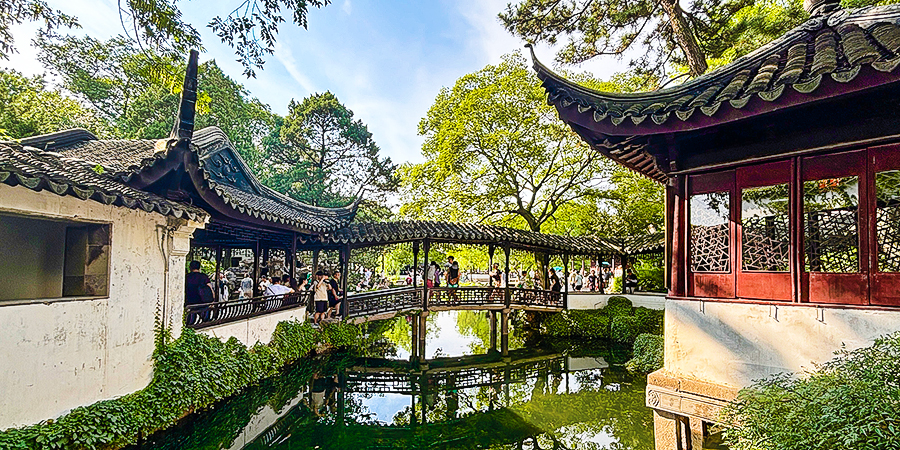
[696, 59]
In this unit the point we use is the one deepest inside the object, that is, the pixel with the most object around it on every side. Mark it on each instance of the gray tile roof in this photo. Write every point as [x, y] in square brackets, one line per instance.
[383, 233]
[41, 170]
[836, 46]
[223, 170]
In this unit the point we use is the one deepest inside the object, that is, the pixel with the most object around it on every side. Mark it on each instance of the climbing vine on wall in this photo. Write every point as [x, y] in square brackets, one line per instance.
[190, 374]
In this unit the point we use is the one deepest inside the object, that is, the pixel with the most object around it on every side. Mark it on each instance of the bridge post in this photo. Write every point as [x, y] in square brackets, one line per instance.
[414, 340]
[256, 271]
[504, 332]
[422, 332]
[492, 317]
[565, 259]
[506, 292]
[426, 247]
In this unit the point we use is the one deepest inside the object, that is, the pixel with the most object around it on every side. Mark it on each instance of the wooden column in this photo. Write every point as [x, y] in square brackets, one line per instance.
[423, 327]
[506, 292]
[256, 271]
[414, 339]
[504, 332]
[315, 261]
[492, 318]
[218, 270]
[426, 248]
[345, 275]
[415, 267]
[565, 259]
[624, 266]
[293, 257]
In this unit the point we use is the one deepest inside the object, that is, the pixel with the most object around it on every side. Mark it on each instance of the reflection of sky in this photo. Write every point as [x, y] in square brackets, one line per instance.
[443, 339]
[382, 407]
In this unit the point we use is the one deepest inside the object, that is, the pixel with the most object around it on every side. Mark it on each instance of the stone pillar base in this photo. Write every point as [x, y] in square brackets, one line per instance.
[682, 409]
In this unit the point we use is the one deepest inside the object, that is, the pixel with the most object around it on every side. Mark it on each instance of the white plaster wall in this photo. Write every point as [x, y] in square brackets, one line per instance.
[255, 329]
[59, 355]
[597, 301]
[732, 344]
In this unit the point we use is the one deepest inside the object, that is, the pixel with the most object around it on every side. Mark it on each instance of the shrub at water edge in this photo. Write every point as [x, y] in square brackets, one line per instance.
[648, 353]
[848, 402]
[618, 306]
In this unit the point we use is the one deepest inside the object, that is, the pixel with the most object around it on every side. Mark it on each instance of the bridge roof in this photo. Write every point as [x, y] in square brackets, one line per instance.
[386, 233]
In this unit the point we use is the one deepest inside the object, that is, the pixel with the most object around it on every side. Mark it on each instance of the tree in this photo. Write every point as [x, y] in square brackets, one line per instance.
[707, 32]
[157, 25]
[138, 91]
[29, 108]
[324, 157]
[632, 206]
[496, 152]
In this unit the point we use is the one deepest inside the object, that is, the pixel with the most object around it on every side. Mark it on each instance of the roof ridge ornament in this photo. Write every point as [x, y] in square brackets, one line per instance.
[187, 109]
[820, 7]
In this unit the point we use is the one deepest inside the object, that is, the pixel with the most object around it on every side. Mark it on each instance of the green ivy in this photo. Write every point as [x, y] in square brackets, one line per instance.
[190, 374]
[648, 353]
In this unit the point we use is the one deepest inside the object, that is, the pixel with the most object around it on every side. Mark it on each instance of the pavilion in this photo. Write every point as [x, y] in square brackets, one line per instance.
[782, 175]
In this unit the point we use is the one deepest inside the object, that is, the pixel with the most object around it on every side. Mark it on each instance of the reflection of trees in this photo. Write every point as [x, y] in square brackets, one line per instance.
[770, 200]
[832, 193]
[710, 209]
[887, 188]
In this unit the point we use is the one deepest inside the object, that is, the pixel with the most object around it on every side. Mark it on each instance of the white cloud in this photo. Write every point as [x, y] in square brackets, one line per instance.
[284, 55]
[347, 7]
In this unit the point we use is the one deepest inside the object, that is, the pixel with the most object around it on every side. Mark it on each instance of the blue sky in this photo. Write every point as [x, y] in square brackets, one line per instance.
[386, 60]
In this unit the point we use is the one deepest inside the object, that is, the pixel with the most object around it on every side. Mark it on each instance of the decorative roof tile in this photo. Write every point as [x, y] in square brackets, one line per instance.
[223, 170]
[837, 44]
[40, 170]
[384, 233]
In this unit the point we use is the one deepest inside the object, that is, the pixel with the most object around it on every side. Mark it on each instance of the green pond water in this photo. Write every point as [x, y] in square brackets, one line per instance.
[543, 395]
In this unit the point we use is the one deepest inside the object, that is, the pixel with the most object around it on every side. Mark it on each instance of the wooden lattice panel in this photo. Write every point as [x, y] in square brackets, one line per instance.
[709, 248]
[888, 232]
[832, 241]
[766, 243]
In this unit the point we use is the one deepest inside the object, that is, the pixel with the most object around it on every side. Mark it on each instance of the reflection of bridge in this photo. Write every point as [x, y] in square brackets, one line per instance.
[445, 377]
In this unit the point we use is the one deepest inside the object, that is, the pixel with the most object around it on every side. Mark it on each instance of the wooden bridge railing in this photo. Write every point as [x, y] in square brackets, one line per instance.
[385, 300]
[209, 314]
[406, 298]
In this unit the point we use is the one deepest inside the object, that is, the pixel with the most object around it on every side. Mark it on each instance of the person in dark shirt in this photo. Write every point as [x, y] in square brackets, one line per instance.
[335, 295]
[193, 282]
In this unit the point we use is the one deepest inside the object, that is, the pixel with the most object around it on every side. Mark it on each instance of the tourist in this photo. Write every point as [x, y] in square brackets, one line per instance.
[496, 276]
[430, 273]
[631, 281]
[335, 294]
[276, 288]
[263, 284]
[592, 280]
[320, 295]
[246, 287]
[555, 283]
[579, 280]
[288, 282]
[607, 276]
[222, 290]
[198, 288]
[452, 276]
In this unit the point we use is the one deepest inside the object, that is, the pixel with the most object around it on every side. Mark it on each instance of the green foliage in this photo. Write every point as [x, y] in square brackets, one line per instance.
[625, 328]
[324, 157]
[14, 12]
[496, 151]
[648, 353]
[652, 319]
[848, 402]
[618, 306]
[592, 324]
[190, 374]
[633, 205]
[651, 273]
[29, 108]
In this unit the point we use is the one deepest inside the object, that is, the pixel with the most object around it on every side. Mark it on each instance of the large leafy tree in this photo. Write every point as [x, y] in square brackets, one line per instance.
[137, 91]
[157, 25]
[661, 34]
[325, 157]
[496, 152]
[30, 108]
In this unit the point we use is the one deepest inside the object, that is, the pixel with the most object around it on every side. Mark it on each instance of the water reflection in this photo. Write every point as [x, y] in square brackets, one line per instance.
[465, 395]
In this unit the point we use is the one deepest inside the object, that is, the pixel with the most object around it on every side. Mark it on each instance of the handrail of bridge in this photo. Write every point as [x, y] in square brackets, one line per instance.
[384, 300]
[216, 313]
[409, 297]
